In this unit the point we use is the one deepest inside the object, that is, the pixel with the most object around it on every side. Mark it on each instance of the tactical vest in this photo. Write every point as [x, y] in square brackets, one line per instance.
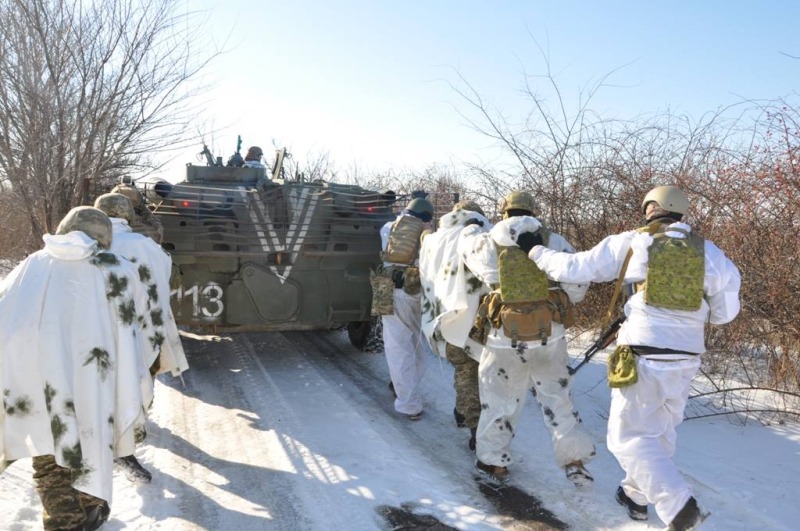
[521, 280]
[403, 241]
[675, 271]
[525, 311]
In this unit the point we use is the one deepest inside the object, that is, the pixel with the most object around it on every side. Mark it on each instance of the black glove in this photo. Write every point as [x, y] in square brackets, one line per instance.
[473, 221]
[528, 240]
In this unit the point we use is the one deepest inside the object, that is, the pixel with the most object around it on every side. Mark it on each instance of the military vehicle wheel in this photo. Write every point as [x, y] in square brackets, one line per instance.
[358, 333]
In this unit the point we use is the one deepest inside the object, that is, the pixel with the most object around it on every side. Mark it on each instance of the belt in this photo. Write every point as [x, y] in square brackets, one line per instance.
[646, 352]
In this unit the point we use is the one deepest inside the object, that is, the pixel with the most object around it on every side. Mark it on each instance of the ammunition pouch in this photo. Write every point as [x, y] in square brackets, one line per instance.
[175, 276]
[382, 285]
[480, 329]
[411, 282]
[622, 370]
[562, 308]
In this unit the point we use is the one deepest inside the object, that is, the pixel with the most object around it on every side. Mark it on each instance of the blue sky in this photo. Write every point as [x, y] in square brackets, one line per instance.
[368, 82]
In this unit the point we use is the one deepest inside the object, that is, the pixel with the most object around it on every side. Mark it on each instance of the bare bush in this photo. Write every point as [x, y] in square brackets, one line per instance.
[741, 169]
[89, 92]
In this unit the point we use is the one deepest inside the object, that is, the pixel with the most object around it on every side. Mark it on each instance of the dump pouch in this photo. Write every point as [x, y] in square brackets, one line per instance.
[526, 321]
[382, 291]
[622, 370]
[411, 281]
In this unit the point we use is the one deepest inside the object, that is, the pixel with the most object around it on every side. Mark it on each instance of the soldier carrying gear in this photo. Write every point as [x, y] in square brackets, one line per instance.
[402, 338]
[523, 342]
[689, 282]
[90, 220]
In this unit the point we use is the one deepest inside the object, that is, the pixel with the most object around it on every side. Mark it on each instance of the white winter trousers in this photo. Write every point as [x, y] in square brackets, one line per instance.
[505, 377]
[642, 436]
[405, 351]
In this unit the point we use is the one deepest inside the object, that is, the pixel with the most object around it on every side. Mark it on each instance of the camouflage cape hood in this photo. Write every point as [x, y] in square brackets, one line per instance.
[450, 293]
[73, 359]
[139, 248]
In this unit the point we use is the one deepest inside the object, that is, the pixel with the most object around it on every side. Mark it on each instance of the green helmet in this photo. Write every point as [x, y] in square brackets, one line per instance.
[89, 220]
[116, 206]
[519, 201]
[669, 198]
[422, 208]
[470, 205]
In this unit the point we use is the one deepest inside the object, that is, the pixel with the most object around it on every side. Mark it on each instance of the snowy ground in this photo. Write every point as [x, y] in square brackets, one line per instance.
[296, 431]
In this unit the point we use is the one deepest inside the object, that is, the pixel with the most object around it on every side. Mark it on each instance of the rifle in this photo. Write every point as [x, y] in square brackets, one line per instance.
[605, 340]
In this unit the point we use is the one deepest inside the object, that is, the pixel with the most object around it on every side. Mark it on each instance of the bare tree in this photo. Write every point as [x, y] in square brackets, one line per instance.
[741, 167]
[90, 91]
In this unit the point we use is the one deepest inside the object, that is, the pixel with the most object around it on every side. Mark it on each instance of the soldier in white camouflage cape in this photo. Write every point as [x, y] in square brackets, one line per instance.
[450, 298]
[75, 345]
[142, 250]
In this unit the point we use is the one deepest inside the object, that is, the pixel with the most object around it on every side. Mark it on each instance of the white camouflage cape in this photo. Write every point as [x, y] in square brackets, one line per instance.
[450, 293]
[141, 249]
[73, 359]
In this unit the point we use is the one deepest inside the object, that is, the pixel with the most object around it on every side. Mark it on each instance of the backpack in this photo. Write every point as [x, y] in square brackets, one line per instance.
[403, 241]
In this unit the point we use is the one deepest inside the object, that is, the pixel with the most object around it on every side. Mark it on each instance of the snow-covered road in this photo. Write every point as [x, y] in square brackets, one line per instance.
[296, 431]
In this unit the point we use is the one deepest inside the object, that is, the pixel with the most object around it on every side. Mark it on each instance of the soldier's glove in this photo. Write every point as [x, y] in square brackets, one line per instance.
[473, 221]
[528, 240]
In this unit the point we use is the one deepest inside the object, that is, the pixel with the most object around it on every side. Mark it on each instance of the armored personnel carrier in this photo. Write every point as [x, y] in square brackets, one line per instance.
[256, 251]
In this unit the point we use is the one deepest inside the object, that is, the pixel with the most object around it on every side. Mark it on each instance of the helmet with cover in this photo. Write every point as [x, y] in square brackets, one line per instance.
[116, 206]
[130, 192]
[518, 203]
[470, 205]
[89, 220]
[669, 198]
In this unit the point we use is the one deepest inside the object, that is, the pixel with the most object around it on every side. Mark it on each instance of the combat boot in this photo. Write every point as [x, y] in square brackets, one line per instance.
[460, 419]
[96, 515]
[499, 474]
[473, 442]
[133, 470]
[635, 511]
[578, 474]
[689, 518]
